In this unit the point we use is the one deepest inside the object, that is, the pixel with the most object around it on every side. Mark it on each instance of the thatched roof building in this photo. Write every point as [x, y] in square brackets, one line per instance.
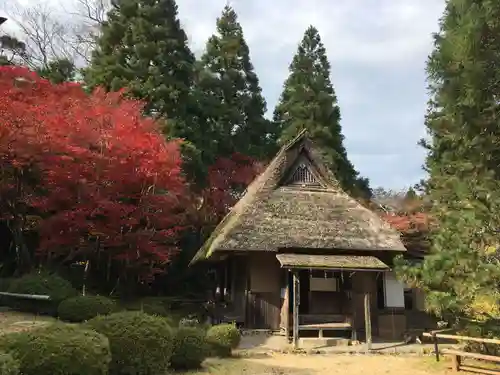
[297, 204]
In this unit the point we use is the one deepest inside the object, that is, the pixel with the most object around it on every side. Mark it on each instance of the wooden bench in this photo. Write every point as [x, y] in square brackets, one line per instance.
[457, 355]
[321, 327]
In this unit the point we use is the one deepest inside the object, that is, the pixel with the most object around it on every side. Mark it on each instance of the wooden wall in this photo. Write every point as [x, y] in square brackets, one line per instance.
[265, 302]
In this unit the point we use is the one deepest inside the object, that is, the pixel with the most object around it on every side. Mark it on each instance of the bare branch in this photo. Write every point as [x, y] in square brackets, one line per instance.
[43, 34]
[89, 16]
[67, 32]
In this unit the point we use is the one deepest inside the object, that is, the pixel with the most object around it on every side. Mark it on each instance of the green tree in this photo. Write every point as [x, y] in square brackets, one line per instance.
[12, 50]
[59, 71]
[462, 273]
[309, 101]
[233, 107]
[142, 47]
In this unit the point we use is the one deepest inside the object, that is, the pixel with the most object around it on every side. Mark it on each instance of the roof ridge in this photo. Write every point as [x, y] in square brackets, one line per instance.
[258, 213]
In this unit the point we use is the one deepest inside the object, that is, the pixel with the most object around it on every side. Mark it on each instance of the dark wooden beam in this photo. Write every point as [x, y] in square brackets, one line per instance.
[296, 303]
[368, 322]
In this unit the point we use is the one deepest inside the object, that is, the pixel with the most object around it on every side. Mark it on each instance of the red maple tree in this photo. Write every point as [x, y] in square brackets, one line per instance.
[227, 180]
[101, 177]
[411, 219]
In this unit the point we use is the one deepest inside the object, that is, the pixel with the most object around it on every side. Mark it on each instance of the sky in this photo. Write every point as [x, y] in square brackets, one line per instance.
[377, 49]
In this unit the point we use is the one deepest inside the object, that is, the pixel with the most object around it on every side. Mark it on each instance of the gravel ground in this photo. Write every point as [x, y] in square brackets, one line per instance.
[281, 364]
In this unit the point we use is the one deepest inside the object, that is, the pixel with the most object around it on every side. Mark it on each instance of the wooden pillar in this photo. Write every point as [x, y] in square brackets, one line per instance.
[287, 303]
[296, 303]
[455, 363]
[247, 313]
[368, 322]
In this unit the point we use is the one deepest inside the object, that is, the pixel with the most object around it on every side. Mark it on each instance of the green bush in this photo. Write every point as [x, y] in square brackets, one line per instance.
[140, 343]
[149, 305]
[59, 350]
[8, 364]
[82, 308]
[43, 283]
[222, 339]
[5, 284]
[154, 306]
[189, 322]
[189, 348]
[4, 287]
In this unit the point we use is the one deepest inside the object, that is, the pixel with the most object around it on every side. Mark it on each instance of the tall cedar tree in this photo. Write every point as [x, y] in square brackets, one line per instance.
[231, 98]
[95, 178]
[143, 48]
[462, 274]
[309, 101]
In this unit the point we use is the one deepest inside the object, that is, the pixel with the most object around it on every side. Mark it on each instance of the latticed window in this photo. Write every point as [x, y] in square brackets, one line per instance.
[303, 176]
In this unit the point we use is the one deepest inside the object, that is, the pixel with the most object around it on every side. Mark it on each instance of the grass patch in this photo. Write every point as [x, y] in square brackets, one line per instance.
[13, 321]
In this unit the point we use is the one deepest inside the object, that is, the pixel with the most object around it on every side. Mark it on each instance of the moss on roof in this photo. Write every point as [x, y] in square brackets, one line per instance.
[331, 261]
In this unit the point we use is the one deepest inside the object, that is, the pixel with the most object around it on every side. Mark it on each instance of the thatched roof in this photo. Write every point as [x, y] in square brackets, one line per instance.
[274, 214]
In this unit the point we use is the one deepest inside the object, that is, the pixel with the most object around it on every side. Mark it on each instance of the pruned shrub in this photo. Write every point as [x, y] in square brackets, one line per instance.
[4, 287]
[222, 339]
[140, 343]
[8, 364]
[59, 350]
[5, 284]
[82, 308]
[154, 306]
[52, 285]
[189, 349]
[149, 305]
[189, 322]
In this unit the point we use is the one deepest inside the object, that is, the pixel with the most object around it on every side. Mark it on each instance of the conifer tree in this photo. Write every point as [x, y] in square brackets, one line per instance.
[462, 273]
[309, 101]
[142, 47]
[59, 71]
[232, 103]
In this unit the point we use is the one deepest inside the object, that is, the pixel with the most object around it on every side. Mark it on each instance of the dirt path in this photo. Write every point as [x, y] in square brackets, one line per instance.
[345, 365]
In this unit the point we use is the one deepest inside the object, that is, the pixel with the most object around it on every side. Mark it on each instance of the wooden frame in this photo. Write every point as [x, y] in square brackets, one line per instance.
[458, 355]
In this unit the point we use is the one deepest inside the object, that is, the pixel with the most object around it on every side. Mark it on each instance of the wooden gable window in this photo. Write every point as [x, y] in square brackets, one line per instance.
[302, 176]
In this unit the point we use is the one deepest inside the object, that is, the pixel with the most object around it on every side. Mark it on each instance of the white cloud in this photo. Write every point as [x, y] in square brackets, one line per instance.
[377, 49]
[381, 32]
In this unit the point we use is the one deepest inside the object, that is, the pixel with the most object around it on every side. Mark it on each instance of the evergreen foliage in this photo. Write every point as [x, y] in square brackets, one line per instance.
[143, 48]
[309, 101]
[231, 99]
[140, 343]
[58, 350]
[462, 273]
[59, 71]
[189, 348]
[82, 308]
[222, 339]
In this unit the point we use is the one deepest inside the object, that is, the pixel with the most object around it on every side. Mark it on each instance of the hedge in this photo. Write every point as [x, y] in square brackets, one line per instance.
[222, 339]
[43, 283]
[140, 343]
[190, 348]
[59, 350]
[83, 308]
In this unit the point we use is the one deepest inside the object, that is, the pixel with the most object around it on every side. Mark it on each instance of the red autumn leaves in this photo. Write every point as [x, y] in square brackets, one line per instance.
[97, 174]
[95, 178]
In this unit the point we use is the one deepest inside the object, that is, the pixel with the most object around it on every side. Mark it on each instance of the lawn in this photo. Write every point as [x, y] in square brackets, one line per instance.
[12, 321]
